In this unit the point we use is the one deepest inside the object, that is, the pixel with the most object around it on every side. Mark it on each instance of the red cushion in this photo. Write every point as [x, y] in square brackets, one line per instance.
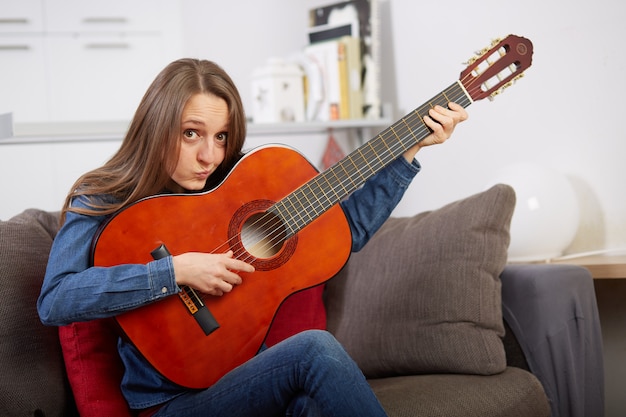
[94, 368]
[304, 310]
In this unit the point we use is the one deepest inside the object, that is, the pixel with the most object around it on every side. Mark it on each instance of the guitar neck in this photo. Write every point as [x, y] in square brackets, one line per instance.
[312, 199]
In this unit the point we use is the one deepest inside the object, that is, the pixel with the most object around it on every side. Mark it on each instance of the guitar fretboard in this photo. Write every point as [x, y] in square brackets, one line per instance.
[312, 199]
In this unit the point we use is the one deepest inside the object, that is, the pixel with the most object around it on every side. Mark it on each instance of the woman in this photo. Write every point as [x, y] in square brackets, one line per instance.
[187, 133]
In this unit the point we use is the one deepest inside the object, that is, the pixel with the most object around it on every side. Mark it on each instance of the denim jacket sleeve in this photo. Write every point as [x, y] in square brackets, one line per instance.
[73, 290]
[369, 206]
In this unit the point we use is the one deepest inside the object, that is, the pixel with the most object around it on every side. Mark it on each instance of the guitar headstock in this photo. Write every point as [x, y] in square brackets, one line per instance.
[497, 67]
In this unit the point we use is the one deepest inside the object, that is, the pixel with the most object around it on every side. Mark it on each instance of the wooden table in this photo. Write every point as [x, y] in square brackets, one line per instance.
[601, 266]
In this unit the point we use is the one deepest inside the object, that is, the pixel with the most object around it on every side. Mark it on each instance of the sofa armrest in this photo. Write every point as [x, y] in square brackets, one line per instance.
[552, 311]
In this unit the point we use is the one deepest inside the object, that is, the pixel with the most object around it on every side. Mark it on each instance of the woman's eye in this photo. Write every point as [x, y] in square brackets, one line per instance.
[190, 134]
[222, 137]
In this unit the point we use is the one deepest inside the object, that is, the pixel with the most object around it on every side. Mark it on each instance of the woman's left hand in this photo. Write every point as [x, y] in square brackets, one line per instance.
[441, 122]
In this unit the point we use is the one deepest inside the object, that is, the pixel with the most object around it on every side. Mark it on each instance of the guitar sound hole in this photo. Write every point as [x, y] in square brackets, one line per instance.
[263, 235]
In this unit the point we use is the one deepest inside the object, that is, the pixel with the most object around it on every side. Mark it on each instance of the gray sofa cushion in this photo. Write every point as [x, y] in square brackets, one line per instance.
[424, 295]
[33, 377]
[512, 393]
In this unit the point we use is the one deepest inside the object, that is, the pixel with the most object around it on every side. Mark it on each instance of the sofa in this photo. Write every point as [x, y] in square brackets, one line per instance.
[430, 310]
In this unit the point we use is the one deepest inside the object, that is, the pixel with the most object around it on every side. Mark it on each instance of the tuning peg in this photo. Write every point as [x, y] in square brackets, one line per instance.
[483, 51]
[493, 95]
[470, 61]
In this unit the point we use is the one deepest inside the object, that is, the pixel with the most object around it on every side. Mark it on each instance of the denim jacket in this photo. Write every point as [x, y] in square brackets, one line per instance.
[74, 291]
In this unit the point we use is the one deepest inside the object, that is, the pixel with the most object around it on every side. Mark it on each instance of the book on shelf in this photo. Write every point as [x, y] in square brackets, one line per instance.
[350, 77]
[338, 62]
[357, 19]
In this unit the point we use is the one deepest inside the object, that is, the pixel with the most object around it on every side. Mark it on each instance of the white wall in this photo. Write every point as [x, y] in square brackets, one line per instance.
[564, 114]
[241, 35]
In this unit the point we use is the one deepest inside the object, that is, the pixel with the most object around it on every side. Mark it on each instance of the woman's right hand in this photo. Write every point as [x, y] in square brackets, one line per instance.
[213, 274]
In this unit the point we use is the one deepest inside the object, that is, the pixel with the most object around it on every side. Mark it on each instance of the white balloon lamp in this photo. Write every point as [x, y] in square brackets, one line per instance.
[546, 216]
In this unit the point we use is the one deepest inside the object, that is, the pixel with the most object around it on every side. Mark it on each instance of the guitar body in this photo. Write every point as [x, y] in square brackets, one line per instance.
[165, 332]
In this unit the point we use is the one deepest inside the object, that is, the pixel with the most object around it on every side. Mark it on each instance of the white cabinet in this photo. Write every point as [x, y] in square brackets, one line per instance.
[21, 16]
[23, 77]
[97, 77]
[104, 16]
[82, 60]
[22, 65]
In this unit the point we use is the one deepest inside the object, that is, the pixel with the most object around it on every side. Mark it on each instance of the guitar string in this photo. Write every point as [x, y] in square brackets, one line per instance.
[275, 237]
[320, 178]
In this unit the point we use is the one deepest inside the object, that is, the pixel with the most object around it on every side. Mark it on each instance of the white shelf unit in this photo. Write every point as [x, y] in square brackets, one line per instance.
[51, 132]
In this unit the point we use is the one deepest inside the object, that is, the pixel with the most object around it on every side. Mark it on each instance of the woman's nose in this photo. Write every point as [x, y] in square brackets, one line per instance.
[206, 153]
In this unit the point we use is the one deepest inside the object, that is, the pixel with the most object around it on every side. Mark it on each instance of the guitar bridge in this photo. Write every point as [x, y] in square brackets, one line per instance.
[191, 306]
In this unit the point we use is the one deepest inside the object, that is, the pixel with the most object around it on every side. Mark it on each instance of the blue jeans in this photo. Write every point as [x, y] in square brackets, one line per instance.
[309, 374]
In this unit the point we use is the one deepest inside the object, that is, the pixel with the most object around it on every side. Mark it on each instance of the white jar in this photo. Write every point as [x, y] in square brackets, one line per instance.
[278, 92]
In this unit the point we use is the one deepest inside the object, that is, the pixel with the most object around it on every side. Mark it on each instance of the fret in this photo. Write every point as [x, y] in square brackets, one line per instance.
[296, 214]
[330, 193]
[345, 190]
[320, 194]
[301, 207]
[395, 135]
[410, 131]
[309, 204]
[342, 165]
[384, 142]
[280, 210]
[377, 155]
[355, 166]
[366, 163]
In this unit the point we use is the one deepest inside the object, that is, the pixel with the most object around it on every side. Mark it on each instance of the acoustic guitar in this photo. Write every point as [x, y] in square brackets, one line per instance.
[277, 212]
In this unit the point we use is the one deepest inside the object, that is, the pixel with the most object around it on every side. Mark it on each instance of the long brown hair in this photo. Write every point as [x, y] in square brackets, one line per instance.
[149, 152]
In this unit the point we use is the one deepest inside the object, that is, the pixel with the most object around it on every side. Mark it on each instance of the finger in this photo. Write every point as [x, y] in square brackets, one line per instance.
[231, 278]
[219, 287]
[435, 125]
[241, 266]
[234, 264]
[226, 287]
[440, 115]
[454, 111]
[458, 112]
[457, 108]
[217, 293]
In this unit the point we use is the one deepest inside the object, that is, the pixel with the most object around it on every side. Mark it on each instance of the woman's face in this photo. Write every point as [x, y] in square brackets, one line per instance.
[203, 136]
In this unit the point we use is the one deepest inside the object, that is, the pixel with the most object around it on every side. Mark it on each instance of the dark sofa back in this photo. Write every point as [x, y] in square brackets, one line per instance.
[33, 376]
